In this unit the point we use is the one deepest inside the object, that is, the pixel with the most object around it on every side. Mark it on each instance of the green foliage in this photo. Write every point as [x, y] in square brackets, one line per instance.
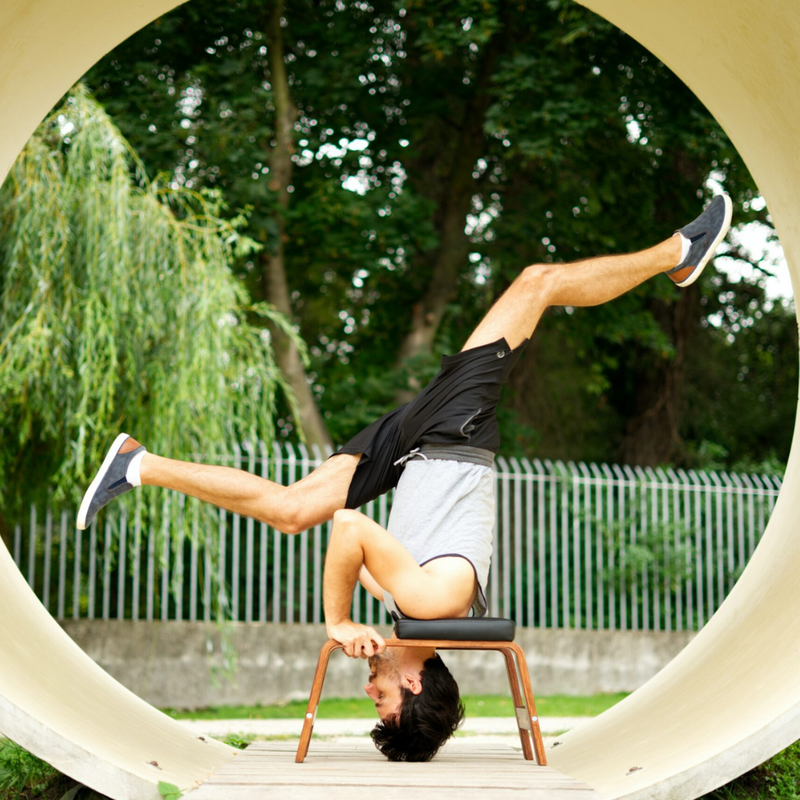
[776, 779]
[23, 776]
[663, 551]
[118, 309]
[169, 791]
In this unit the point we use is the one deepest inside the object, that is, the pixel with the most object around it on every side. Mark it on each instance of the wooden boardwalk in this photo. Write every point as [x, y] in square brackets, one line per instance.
[343, 769]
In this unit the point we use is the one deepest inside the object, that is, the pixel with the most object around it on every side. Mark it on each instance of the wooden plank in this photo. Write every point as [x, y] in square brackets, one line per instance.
[332, 770]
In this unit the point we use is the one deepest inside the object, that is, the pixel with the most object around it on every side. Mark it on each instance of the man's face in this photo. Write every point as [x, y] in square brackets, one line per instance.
[384, 684]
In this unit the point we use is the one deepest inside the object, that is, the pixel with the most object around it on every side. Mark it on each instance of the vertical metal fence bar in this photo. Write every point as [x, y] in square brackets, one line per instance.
[383, 520]
[494, 567]
[222, 573]
[107, 570]
[92, 567]
[316, 603]
[77, 574]
[633, 490]
[541, 540]
[165, 560]
[236, 547]
[719, 539]
[505, 537]
[643, 487]
[194, 562]
[760, 494]
[612, 595]
[656, 573]
[48, 553]
[530, 619]
[32, 549]
[698, 544]
[588, 571]
[178, 544]
[63, 543]
[277, 538]
[552, 496]
[137, 557]
[676, 539]
[740, 545]
[250, 545]
[566, 620]
[518, 537]
[665, 578]
[622, 505]
[730, 546]
[122, 565]
[291, 462]
[599, 556]
[150, 602]
[18, 546]
[692, 556]
[577, 589]
[708, 552]
[751, 520]
[263, 562]
[305, 468]
[368, 618]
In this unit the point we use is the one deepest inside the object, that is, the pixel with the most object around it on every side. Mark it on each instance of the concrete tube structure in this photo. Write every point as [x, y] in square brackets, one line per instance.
[727, 703]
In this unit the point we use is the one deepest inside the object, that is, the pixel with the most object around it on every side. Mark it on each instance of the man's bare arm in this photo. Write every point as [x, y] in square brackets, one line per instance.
[444, 589]
[370, 584]
[342, 567]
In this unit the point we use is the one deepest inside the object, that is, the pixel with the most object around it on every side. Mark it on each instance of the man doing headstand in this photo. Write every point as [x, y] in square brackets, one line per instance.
[433, 561]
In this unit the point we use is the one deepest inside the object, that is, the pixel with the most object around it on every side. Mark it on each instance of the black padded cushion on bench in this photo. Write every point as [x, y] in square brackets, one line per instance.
[465, 629]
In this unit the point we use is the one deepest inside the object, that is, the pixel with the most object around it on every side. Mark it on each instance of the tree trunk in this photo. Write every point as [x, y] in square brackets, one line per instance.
[652, 434]
[454, 203]
[272, 260]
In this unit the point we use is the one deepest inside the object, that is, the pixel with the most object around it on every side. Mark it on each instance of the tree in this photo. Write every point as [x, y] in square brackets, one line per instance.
[118, 309]
[441, 145]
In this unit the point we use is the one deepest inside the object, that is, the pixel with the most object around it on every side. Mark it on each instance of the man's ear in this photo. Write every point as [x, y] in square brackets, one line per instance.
[412, 682]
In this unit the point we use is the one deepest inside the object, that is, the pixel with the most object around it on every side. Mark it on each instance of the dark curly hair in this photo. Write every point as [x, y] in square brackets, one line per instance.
[426, 720]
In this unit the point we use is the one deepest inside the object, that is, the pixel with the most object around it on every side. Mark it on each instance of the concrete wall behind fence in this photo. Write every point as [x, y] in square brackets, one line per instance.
[176, 664]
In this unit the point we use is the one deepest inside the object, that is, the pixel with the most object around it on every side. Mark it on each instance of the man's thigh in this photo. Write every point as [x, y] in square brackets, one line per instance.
[324, 490]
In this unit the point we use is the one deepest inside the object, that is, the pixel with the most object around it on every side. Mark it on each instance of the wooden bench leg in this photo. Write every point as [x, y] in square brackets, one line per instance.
[520, 709]
[533, 717]
[313, 700]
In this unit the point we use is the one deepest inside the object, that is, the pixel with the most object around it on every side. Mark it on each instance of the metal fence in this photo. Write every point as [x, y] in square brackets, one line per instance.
[576, 546]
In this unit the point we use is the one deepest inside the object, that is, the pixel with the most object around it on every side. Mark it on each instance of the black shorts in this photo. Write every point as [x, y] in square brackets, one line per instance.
[456, 408]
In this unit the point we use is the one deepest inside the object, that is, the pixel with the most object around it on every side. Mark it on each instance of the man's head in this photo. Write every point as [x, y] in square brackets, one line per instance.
[417, 700]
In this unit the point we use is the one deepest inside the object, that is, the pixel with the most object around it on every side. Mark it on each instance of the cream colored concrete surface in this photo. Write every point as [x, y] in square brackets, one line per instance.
[729, 701]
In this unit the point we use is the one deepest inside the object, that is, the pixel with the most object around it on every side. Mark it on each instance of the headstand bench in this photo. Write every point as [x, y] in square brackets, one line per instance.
[484, 633]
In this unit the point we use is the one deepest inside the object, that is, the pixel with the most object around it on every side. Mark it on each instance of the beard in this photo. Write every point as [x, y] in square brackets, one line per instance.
[383, 664]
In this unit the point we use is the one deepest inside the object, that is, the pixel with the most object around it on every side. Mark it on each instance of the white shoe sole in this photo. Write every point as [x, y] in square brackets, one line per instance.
[90, 492]
[711, 250]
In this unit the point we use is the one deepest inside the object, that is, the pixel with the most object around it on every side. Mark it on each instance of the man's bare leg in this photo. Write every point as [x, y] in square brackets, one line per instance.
[290, 509]
[581, 283]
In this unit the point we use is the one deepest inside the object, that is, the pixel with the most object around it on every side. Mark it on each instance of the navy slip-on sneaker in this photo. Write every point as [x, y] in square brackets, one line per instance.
[110, 481]
[704, 234]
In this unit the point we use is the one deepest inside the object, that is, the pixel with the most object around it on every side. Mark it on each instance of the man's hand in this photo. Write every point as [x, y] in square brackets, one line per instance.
[360, 641]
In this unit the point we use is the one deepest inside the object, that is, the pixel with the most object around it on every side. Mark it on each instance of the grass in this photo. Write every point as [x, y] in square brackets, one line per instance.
[776, 779]
[24, 777]
[476, 706]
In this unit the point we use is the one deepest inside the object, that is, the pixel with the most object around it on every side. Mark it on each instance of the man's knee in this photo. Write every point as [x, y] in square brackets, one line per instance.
[538, 281]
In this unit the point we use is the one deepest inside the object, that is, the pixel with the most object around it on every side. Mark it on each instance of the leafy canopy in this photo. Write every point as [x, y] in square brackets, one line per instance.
[119, 310]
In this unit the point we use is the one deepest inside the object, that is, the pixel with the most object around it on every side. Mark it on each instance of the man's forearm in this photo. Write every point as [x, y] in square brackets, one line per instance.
[343, 562]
